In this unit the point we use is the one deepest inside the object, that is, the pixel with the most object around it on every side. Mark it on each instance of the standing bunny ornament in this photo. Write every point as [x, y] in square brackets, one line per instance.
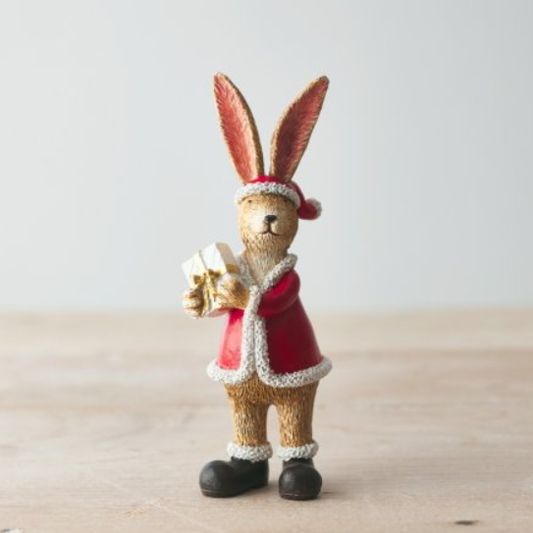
[269, 354]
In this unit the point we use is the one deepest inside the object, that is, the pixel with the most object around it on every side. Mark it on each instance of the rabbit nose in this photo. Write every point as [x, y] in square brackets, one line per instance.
[270, 218]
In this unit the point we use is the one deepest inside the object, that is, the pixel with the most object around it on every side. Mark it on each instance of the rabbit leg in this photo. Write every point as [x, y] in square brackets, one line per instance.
[249, 452]
[249, 424]
[299, 479]
[295, 412]
[250, 402]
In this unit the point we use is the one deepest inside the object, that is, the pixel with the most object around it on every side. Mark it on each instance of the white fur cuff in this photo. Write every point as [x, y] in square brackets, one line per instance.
[307, 451]
[250, 453]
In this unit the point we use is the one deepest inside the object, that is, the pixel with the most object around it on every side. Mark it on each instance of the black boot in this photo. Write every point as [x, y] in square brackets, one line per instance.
[299, 480]
[222, 479]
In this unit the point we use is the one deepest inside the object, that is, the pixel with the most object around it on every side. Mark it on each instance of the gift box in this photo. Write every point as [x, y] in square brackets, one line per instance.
[207, 269]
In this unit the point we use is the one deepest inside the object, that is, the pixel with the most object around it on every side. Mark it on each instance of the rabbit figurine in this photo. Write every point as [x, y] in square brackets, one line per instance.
[269, 354]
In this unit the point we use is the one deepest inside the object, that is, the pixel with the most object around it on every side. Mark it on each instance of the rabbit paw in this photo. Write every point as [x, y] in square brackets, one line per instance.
[232, 294]
[193, 303]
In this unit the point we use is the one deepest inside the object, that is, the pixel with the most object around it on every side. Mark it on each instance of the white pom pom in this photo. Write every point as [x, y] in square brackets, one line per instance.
[316, 204]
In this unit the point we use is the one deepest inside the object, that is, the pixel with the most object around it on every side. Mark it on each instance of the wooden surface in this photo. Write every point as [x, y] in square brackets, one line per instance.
[425, 424]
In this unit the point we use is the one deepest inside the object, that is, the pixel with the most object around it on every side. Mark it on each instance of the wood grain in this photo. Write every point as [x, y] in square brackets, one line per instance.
[425, 424]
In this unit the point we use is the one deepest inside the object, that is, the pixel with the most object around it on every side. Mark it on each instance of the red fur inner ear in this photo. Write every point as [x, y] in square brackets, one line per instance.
[294, 129]
[239, 129]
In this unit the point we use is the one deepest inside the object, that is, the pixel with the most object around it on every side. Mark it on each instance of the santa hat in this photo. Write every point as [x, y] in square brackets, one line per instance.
[307, 209]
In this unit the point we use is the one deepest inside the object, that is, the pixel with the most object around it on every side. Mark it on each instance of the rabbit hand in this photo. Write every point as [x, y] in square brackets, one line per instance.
[232, 294]
[193, 302]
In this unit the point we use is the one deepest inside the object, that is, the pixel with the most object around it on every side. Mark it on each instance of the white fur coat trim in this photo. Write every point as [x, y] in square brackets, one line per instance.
[254, 347]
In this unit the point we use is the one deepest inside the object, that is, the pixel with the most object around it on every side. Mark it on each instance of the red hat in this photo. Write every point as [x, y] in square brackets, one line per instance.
[307, 209]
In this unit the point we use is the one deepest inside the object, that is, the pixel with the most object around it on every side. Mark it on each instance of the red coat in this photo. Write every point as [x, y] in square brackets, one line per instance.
[290, 356]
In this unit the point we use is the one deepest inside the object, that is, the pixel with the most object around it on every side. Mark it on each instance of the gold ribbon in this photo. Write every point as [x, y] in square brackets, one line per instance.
[207, 282]
[208, 279]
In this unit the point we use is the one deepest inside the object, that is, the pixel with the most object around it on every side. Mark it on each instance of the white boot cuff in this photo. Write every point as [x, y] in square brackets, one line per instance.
[307, 451]
[250, 453]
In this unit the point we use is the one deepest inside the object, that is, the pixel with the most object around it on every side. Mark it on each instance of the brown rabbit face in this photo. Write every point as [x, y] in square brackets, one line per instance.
[267, 223]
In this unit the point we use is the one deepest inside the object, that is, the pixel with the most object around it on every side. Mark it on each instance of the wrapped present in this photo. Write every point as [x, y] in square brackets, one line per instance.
[206, 269]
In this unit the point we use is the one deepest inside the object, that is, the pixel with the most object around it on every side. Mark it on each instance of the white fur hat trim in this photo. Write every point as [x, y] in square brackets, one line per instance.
[267, 188]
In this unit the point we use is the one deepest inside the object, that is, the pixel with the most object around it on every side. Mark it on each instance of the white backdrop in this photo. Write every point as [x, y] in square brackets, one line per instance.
[113, 170]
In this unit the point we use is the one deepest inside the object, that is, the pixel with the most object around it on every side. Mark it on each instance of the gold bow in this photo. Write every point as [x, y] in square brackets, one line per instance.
[207, 282]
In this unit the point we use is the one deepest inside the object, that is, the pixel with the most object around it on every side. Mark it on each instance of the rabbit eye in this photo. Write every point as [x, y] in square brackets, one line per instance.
[250, 201]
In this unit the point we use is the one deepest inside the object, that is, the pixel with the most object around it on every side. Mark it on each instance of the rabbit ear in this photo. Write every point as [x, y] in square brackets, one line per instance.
[294, 129]
[239, 129]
